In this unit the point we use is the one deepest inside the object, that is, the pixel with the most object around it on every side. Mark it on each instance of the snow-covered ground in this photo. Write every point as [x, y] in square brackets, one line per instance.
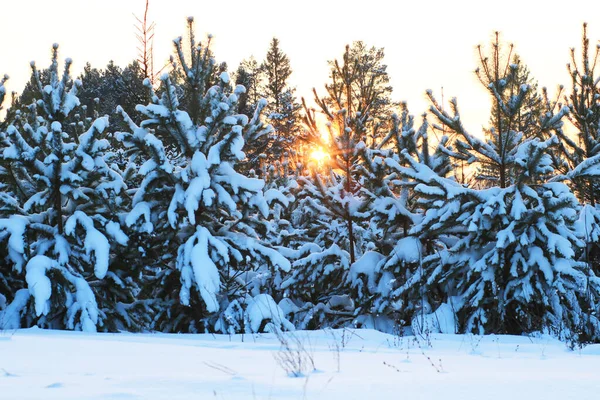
[357, 364]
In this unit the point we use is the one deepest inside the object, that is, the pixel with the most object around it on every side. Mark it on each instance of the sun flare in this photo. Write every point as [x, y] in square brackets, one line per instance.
[319, 155]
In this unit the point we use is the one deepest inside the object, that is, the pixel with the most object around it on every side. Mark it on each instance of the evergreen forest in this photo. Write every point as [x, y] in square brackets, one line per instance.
[204, 198]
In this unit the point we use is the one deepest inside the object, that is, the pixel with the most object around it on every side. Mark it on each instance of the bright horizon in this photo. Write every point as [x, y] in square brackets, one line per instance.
[427, 46]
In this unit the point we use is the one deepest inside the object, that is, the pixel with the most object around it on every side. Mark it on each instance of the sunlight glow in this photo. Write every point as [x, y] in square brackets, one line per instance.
[319, 155]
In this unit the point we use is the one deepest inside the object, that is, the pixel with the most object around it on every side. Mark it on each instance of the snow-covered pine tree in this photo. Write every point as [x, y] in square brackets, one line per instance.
[283, 227]
[60, 213]
[9, 285]
[249, 75]
[499, 76]
[187, 98]
[281, 190]
[283, 111]
[395, 214]
[581, 156]
[526, 119]
[511, 265]
[200, 214]
[370, 88]
[334, 201]
[381, 278]
[578, 157]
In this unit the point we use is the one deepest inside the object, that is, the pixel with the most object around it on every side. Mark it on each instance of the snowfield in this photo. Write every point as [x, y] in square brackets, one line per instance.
[348, 364]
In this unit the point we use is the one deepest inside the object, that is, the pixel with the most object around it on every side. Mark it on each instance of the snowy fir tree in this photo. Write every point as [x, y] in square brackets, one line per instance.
[381, 277]
[334, 201]
[281, 191]
[500, 77]
[283, 111]
[8, 281]
[532, 106]
[504, 66]
[369, 90]
[512, 263]
[249, 75]
[187, 96]
[580, 155]
[60, 224]
[201, 216]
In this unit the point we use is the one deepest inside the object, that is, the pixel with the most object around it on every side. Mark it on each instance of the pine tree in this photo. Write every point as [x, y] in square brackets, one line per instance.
[60, 213]
[282, 109]
[510, 262]
[249, 75]
[510, 120]
[581, 156]
[200, 214]
[578, 157]
[527, 117]
[281, 191]
[334, 202]
[277, 71]
[89, 94]
[361, 86]
[10, 285]
[512, 267]
[188, 95]
[383, 278]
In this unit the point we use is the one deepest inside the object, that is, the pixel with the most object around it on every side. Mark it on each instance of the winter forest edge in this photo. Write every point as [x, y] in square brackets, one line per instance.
[202, 200]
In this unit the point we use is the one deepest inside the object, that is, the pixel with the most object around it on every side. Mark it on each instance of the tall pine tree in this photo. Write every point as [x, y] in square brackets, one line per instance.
[335, 200]
[60, 213]
[283, 111]
[199, 212]
[511, 262]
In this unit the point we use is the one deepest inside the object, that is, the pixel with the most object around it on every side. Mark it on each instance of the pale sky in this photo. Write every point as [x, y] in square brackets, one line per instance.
[428, 44]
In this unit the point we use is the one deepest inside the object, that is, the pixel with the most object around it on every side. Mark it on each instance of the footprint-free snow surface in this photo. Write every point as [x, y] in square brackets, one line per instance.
[335, 364]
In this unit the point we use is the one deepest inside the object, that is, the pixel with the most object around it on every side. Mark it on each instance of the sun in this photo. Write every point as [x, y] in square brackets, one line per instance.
[319, 155]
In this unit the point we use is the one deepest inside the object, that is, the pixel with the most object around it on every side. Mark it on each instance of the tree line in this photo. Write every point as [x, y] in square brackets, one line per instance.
[189, 201]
